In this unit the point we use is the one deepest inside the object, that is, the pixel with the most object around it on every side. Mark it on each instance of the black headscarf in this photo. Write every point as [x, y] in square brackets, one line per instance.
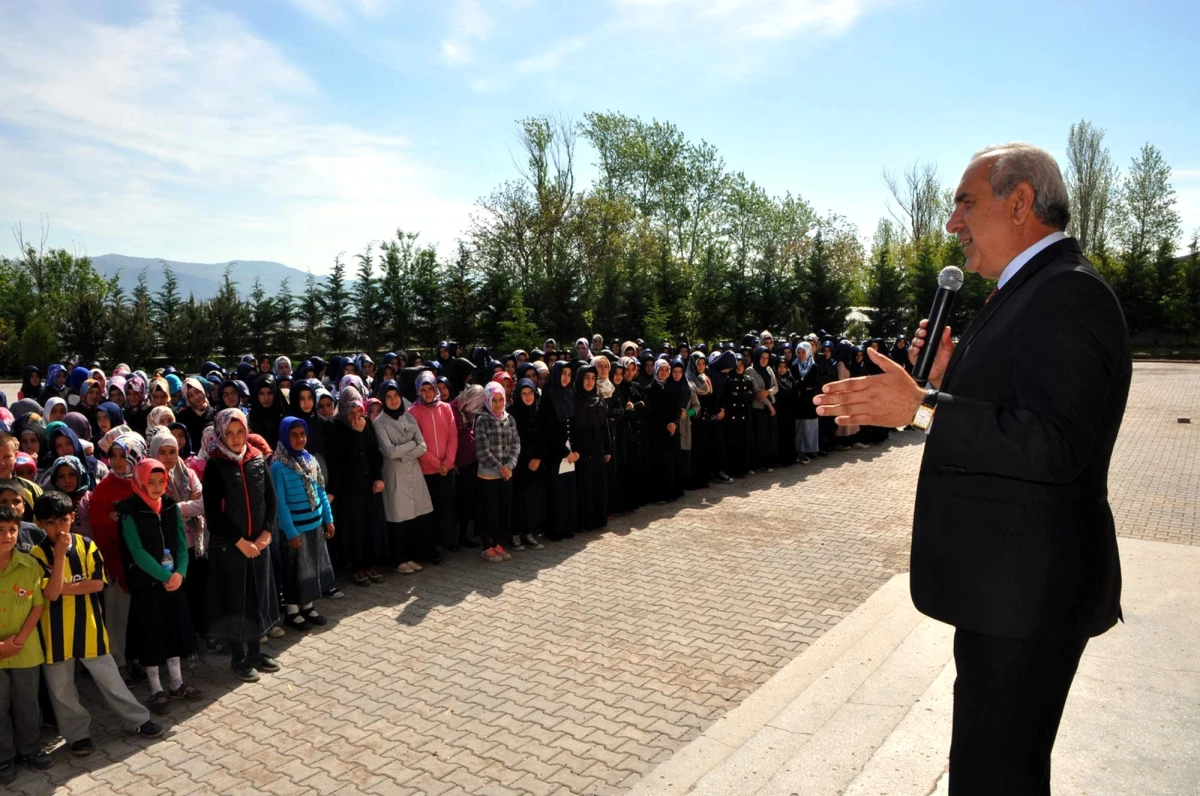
[185, 450]
[391, 386]
[29, 390]
[264, 420]
[316, 424]
[764, 371]
[562, 398]
[680, 390]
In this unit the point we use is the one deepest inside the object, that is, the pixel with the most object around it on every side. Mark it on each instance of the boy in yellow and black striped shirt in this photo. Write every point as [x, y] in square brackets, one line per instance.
[73, 629]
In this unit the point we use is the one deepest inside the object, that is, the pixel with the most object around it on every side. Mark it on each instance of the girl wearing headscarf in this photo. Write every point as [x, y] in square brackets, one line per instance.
[91, 394]
[846, 437]
[701, 422]
[305, 521]
[355, 483]
[785, 413]
[406, 498]
[74, 384]
[766, 428]
[31, 383]
[108, 417]
[184, 487]
[159, 417]
[283, 367]
[55, 385]
[61, 440]
[160, 392]
[899, 354]
[557, 413]
[123, 455]
[115, 390]
[136, 407]
[467, 407]
[737, 396]
[197, 413]
[242, 602]
[528, 490]
[56, 409]
[604, 385]
[666, 412]
[302, 403]
[34, 442]
[590, 435]
[804, 371]
[436, 420]
[634, 426]
[691, 405]
[267, 406]
[497, 448]
[155, 557]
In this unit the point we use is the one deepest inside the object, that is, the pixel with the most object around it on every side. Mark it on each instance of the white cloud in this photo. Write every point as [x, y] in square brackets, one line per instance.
[340, 12]
[468, 23]
[752, 19]
[183, 135]
[550, 59]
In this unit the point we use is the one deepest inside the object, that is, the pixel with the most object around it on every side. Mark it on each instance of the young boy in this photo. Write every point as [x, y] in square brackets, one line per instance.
[20, 652]
[9, 445]
[12, 495]
[73, 627]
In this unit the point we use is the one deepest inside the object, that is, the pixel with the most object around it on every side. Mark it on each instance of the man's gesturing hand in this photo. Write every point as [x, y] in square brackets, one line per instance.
[889, 399]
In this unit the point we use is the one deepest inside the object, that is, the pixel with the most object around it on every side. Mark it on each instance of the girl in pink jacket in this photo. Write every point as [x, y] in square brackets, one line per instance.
[435, 418]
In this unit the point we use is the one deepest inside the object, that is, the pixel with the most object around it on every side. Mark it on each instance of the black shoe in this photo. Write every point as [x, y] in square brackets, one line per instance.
[8, 772]
[437, 560]
[38, 760]
[311, 617]
[361, 579]
[265, 663]
[159, 704]
[245, 671]
[297, 622]
[149, 730]
[82, 747]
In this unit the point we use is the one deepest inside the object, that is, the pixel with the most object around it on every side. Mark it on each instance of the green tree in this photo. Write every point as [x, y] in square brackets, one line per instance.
[886, 292]
[39, 344]
[203, 335]
[655, 324]
[368, 304]
[231, 318]
[1148, 213]
[138, 326]
[823, 293]
[85, 332]
[167, 307]
[517, 330]
[335, 306]
[396, 258]
[262, 317]
[312, 334]
[285, 320]
[1091, 179]
[459, 292]
[426, 304]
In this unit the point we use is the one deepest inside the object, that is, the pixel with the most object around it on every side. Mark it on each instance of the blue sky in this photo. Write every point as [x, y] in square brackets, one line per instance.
[293, 130]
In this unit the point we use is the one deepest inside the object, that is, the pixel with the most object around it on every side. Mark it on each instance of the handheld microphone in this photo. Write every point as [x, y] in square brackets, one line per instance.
[949, 281]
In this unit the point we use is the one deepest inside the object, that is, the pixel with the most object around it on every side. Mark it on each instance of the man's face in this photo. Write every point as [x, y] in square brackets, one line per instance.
[982, 223]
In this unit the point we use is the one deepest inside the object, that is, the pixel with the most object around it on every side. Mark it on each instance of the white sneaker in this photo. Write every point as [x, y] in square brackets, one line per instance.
[860, 446]
[405, 569]
[516, 543]
[532, 544]
[276, 632]
[414, 565]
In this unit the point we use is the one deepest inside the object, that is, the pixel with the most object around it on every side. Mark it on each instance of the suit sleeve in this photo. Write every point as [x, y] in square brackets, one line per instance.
[1068, 350]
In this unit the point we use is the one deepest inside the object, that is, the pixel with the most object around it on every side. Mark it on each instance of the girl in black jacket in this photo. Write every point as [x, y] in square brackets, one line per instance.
[529, 494]
[592, 442]
[239, 505]
[557, 413]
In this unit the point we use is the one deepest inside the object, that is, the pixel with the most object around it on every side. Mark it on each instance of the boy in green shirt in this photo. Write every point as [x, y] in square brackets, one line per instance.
[20, 652]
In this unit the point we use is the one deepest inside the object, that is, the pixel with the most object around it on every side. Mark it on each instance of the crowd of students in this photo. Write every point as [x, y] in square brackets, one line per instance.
[145, 516]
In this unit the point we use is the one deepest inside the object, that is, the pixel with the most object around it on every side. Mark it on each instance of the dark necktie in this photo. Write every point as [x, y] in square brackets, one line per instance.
[991, 295]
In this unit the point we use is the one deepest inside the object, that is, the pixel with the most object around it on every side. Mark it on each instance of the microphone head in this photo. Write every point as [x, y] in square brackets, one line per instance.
[951, 278]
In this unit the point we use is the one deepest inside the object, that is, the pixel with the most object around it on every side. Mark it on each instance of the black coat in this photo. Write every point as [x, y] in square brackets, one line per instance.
[239, 503]
[1012, 531]
[156, 531]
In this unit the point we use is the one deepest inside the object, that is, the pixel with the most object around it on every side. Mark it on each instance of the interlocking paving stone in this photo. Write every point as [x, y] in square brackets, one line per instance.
[576, 668]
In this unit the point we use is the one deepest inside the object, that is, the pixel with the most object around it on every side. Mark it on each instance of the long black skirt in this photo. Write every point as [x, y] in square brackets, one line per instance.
[529, 501]
[493, 517]
[443, 529]
[160, 626]
[563, 504]
[360, 523]
[242, 602]
[591, 487]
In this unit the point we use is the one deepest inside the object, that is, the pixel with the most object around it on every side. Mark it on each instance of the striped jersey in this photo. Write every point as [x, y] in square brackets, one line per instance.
[73, 625]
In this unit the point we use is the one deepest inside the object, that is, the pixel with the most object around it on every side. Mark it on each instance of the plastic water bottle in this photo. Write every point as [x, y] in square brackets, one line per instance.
[168, 560]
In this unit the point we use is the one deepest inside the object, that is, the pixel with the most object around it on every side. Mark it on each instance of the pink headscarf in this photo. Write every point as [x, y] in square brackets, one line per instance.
[493, 388]
[141, 479]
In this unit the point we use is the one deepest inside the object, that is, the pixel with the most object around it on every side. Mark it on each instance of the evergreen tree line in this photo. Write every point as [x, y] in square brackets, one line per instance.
[667, 241]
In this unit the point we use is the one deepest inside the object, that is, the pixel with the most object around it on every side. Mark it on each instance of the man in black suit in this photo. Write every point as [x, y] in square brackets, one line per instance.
[1013, 539]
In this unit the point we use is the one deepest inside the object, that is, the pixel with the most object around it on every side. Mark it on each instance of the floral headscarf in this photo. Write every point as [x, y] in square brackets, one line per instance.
[133, 445]
[428, 377]
[349, 398]
[83, 481]
[298, 461]
[180, 483]
[159, 417]
[221, 423]
[492, 389]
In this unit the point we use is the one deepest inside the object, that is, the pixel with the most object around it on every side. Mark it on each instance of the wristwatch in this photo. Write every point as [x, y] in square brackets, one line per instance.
[923, 419]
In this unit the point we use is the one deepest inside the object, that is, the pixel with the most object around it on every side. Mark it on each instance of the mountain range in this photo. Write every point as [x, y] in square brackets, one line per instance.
[200, 279]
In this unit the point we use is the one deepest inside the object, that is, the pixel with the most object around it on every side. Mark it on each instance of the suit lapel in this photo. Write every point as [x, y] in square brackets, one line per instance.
[1040, 260]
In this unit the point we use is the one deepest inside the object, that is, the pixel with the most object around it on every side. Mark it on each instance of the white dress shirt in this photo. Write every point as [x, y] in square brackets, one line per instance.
[1019, 261]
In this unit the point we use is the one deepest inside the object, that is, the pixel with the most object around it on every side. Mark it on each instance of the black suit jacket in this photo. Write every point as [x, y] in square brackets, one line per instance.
[1012, 531]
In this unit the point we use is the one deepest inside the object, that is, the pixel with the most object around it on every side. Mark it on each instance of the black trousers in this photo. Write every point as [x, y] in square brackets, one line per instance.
[1008, 700]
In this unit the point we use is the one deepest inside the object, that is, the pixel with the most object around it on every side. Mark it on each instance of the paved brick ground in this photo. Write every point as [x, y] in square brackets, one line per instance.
[575, 669]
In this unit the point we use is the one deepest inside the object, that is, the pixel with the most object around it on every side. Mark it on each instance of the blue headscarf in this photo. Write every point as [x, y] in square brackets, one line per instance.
[298, 461]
